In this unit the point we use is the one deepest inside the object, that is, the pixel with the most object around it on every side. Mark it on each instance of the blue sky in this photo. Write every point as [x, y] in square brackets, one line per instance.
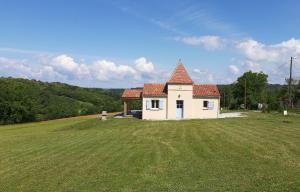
[97, 43]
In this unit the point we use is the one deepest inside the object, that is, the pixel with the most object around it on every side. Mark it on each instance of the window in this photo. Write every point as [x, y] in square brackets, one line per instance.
[179, 104]
[205, 104]
[208, 105]
[154, 104]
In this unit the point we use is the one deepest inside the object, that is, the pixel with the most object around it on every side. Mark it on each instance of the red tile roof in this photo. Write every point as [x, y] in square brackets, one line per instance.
[180, 76]
[205, 90]
[159, 90]
[154, 89]
[132, 94]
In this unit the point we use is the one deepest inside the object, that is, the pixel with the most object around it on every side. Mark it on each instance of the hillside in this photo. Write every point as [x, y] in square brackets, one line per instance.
[23, 100]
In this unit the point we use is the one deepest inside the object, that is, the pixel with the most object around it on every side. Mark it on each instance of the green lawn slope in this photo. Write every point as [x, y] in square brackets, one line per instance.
[258, 153]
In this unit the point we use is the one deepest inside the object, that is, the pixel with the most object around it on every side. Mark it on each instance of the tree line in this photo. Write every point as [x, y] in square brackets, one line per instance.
[252, 89]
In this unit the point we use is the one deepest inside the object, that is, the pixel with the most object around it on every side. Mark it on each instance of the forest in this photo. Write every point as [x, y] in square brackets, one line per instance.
[23, 100]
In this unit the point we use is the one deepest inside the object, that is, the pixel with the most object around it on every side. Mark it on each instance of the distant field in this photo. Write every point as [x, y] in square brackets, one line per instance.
[257, 153]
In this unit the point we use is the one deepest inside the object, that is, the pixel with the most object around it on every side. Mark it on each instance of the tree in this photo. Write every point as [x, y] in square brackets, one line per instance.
[256, 84]
[295, 94]
[227, 98]
[293, 91]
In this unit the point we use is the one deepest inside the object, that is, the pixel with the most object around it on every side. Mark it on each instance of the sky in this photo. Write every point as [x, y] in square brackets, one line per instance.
[122, 44]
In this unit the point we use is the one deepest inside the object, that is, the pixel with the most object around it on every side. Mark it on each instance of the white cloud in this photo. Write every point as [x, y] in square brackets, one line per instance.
[15, 67]
[291, 45]
[66, 69]
[198, 71]
[250, 48]
[143, 65]
[209, 42]
[250, 65]
[49, 74]
[83, 70]
[106, 70]
[272, 59]
[202, 76]
[20, 68]
[233, 69]
[67, 65]
[64, 62]
[256, 51]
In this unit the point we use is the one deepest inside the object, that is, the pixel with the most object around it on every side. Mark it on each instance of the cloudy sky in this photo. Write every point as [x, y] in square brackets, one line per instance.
[95, 43]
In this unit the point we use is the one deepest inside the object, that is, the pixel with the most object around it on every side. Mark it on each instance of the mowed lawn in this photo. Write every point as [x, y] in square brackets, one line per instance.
[257, 153]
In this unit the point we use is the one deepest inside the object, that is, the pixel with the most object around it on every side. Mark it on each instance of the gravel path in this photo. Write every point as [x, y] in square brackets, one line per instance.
[233, 114]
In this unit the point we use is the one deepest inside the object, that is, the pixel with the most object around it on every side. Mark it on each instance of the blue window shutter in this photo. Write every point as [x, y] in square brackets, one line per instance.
[148, 104]
[211, 105]
[161, 104]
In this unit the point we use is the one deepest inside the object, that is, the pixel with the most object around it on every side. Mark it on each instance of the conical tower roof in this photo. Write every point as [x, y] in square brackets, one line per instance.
[180, 76]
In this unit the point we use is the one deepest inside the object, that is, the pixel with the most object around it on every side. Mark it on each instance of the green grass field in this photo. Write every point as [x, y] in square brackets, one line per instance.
[257, 153]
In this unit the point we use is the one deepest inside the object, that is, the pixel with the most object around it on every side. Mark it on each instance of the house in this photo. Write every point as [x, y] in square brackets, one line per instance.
[178, 98]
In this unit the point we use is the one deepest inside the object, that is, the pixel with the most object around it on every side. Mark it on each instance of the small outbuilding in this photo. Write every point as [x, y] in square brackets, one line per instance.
[178, 98]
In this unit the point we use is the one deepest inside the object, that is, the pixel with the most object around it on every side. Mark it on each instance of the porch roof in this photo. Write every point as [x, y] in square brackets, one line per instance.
[132, 94]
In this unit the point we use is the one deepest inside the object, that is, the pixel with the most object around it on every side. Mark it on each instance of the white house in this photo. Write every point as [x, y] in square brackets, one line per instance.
[178, 98]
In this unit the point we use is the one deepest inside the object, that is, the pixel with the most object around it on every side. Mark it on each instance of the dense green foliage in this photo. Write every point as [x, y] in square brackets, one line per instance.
[273, 96]
[24, 100]
[255, 84]
[295, 92]
[258, 153]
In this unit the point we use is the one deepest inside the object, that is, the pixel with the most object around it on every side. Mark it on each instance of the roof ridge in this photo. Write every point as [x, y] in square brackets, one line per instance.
[207, 84]
[155, 83]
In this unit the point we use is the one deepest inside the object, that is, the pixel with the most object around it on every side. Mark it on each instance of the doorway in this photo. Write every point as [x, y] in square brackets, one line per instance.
[179, 109]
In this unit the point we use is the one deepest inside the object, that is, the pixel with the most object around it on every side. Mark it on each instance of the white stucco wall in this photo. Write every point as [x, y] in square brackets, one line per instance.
[155, 114]
[180, 92]
[199, 112]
